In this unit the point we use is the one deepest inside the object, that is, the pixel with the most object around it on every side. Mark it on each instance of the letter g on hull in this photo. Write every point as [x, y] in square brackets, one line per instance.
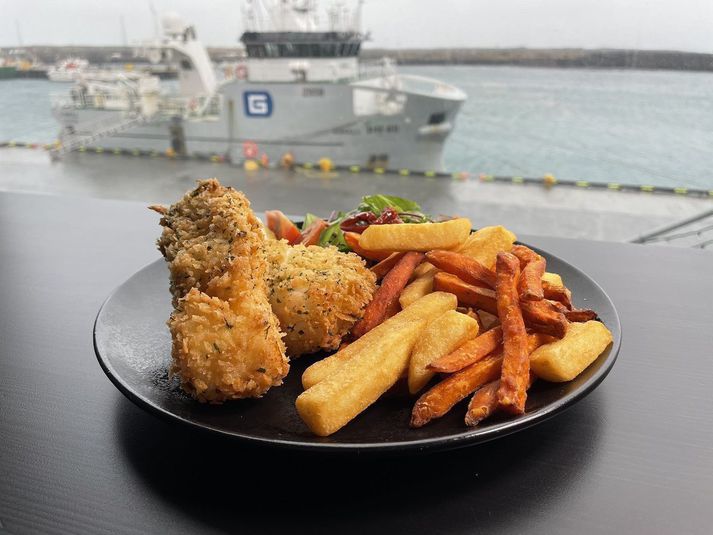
[257, 103]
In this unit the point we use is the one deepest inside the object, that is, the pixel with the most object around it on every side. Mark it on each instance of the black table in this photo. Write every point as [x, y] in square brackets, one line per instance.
[636, 456]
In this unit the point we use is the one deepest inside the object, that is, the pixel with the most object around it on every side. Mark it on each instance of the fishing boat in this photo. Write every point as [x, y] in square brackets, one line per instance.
[68, 70]
[300, 89]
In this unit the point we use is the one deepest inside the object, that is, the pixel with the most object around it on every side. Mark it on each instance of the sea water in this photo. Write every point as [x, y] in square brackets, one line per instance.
[627, 126]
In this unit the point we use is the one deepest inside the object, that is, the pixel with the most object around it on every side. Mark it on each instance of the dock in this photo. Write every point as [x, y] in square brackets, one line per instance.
[525, 207]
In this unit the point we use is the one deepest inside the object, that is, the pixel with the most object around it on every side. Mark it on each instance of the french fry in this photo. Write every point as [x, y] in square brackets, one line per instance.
[441, 337]
[562, 360]
[331, 404]
[485, 401]
[424, 268]
[544, 317]
[484, 244]
[352, 239]
[467, 294]
[470, 311]
[512, 392]
[387, 294]
[532, 268]
[464, 267]
[557, 293]
[552, 278]
[470, 352]
[430, 306]
[415, 236]
[383, 267]
[416, 289]
[437, 401]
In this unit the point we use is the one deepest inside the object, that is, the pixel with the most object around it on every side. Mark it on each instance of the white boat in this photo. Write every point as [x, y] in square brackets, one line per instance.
[301, 89]
[67, 70]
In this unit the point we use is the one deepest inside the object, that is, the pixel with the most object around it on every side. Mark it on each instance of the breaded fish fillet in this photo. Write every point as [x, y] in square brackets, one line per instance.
[226, 339]
[318, 293]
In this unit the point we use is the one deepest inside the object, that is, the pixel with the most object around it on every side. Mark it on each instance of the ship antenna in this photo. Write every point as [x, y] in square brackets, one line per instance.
[154, 16]
[357, 16]
[19, 33]
[124, 39]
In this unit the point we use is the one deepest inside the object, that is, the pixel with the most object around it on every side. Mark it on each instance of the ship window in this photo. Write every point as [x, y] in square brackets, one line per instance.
[437, 118]
[186, 65]
[256, 51]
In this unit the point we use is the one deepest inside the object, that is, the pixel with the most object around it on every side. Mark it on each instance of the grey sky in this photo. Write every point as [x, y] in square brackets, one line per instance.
[646, 24]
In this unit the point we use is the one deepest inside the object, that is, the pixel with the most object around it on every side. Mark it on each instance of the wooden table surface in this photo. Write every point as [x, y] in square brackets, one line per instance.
[636, 456]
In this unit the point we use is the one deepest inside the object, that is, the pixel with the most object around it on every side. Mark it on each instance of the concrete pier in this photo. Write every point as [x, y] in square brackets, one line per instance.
[524, 208]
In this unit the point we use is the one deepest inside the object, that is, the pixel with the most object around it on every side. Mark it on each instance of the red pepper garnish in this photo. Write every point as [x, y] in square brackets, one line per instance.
[358, 222]
[388, 217]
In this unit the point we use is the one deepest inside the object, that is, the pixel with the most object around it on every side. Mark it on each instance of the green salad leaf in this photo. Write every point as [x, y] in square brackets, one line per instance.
[409, 212]
[333, 235]
[377, 203]
[309, 219]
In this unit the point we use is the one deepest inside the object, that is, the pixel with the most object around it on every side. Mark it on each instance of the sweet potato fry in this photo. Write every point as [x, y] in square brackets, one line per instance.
[464, 267]
[488, 320]
[485, 401]
[557, 293]
[393, 309]
[532, 268]
[442, 397]
[469, 353]
[525, 255]
[467, 294]
[577, 315]
[544, 317]
[387, 293]
[512, 392]
[383, 267]
[352, 239]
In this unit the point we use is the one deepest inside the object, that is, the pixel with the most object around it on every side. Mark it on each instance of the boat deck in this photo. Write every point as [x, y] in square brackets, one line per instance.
[525, 208]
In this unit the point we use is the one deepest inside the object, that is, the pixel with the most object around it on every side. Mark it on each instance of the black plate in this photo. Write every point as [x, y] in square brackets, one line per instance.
[133, 346]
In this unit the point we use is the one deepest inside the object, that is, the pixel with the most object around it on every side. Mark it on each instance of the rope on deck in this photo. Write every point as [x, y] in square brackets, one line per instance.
[547, 180]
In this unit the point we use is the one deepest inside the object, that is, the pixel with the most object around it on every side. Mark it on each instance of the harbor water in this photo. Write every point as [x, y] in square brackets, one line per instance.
[627, 126]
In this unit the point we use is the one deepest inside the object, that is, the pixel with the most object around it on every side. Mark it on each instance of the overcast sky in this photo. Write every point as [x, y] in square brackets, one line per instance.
[645, 24]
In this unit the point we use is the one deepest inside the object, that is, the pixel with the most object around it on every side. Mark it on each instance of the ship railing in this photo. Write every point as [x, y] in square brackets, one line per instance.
[378, 68]
[190, 107]
[97, 101]
[422, 85]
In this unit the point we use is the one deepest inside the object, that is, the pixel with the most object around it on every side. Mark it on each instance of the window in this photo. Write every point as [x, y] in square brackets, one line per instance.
[437, 118]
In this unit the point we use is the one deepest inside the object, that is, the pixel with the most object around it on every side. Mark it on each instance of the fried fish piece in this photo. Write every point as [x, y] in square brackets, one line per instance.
[318, 294]
[226, 339]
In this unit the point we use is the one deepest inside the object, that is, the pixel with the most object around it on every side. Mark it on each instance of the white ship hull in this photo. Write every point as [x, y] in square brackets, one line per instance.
[311, 121]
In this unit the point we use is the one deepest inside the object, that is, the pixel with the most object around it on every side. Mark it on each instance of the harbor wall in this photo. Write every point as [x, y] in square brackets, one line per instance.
[529, 57]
